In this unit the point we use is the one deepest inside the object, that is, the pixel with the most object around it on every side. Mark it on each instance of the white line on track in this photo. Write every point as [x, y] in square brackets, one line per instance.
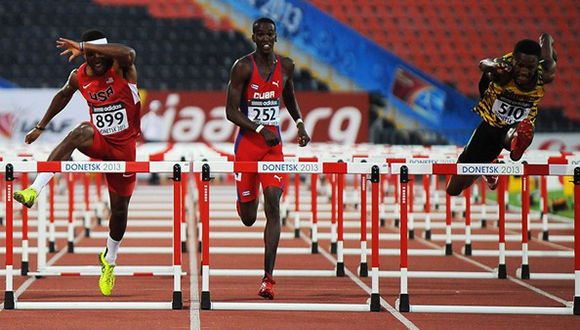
[194, 320]
[511, 278]
[406, 322]
[52, 260]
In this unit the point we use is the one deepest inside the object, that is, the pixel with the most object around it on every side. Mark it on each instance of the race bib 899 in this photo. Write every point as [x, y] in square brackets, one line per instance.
[510, 112]
[264, 112]
[111, 118]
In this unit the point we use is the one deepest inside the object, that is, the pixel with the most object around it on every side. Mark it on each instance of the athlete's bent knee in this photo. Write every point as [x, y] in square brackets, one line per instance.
[248, 221]
[453, 191]
[81, 134]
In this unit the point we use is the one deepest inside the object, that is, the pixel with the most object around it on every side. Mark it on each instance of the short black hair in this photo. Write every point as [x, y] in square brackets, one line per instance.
[260, 21]
[91, 35]
[528, 47]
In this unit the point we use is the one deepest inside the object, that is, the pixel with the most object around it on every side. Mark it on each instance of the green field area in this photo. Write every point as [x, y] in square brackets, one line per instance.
[516, 200]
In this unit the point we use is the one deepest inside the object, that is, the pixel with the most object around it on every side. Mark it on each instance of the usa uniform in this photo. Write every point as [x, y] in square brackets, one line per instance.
[261, 103]
[114, 106]
[501, 107]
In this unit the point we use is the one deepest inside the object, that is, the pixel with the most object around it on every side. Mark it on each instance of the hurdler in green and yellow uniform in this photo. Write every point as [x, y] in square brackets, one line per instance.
[510, 90]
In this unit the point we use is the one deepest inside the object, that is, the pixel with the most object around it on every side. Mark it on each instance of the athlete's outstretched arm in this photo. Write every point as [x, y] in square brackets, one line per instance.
[291, 103]
[59, 101]
[124, 55]
[240, 74]
[496, 68]
[548, 59]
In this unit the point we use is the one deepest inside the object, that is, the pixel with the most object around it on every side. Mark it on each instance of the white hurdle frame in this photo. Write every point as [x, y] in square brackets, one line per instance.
[315, 167]
[11, 302]
[402, 304]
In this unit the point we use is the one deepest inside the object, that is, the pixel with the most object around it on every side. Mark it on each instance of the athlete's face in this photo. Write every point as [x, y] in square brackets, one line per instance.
[98, 62]
[524, 68]
[264, 37]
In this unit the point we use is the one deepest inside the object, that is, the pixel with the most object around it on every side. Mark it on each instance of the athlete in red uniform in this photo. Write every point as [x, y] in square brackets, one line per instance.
[257, 82]
[108, 81]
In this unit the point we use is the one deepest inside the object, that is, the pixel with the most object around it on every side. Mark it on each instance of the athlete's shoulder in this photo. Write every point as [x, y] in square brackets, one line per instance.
[286, 62]
[242, 66]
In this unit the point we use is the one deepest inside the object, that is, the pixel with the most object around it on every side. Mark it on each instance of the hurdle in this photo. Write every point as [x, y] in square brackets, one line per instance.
[403, 303]
[10, 301]
[338, 169]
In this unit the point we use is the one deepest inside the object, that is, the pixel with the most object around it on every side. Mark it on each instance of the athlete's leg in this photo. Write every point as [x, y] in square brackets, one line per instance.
[248, 211]
[81, 137]
[117, 224]
[272, 232]
[458, 183]
[485, 144]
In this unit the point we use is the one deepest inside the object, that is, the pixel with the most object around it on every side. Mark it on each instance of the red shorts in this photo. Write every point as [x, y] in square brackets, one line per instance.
[251, 146]
[121, 184]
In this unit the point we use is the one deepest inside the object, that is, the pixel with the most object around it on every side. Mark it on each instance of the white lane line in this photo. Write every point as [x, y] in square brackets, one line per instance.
[194, 320]
[52, 260]
[406, 322]
[511, 278]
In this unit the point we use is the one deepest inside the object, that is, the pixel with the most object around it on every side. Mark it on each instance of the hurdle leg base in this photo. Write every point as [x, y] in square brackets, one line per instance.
[411, 233]
[448, 249]
[463, 214]
[99, 221]
[177, 302]
[468, 249]
[576, 305]
[356, 206]
[314, 247]
[184, 247]
[397, 223]
[382, 222]
[363, 270]
[283, 221]
[333, 247]
[9, 300]
[24, 268]
[71, 247]
[199, 247]
[87, 232]
[453, 213]
[428, 234]
[51, 247]
[529, 235]
[340, 269]
[525, 272]
[296, 233]
[545, 236]
[205, 300]
[437, 206]
[375, 302]
[502, 271]
[404, 303]
[483, 223]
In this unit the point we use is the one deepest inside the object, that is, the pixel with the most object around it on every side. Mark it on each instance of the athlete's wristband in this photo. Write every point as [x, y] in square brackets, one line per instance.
[299, 121]
[259, 128]
[82, 46]
[40, 128]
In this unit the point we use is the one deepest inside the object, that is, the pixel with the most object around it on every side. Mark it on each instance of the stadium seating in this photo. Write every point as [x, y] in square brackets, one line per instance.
[447, 38]
[187, 51]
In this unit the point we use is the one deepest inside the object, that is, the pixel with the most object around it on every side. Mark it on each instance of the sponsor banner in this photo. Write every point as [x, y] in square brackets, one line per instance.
[280, 167]
[84, 167]
[21, 109]
[490, 169]
[200, 116]
[556, 141]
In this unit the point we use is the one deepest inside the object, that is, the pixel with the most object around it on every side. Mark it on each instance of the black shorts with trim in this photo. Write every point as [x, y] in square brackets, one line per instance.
[485, 145]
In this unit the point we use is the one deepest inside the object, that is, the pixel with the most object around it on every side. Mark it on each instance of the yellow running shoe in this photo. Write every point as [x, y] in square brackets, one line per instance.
[107, 280]
[27, 196]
